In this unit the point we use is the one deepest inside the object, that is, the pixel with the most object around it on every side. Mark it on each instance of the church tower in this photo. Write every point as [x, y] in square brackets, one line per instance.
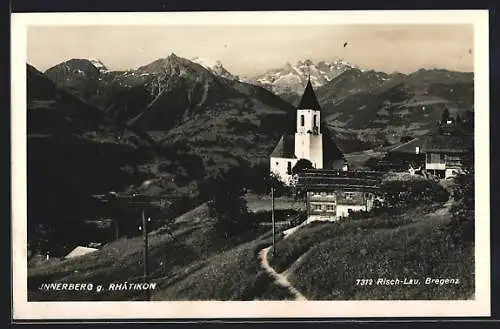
[308, 137]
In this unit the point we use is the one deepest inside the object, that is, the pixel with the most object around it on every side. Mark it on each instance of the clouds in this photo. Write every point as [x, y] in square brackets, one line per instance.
[250, 49]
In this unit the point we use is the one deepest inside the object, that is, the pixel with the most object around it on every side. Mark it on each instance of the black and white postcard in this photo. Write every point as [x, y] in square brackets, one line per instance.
[250, 165]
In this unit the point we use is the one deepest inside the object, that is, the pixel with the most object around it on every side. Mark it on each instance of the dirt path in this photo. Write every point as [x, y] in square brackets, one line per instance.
[279, 279]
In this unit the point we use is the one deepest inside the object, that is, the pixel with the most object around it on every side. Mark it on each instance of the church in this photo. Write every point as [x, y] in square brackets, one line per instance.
[306, 143]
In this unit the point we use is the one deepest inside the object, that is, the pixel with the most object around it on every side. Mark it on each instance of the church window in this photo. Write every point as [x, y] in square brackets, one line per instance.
[277, 163]
[315, 123]
[302, 120]
[289, 168]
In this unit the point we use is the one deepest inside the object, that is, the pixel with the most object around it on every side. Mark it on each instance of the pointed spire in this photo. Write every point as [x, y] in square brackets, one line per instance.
[309, 100]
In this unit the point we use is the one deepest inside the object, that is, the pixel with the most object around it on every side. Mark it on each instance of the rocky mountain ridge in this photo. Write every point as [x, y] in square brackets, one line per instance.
[345, 92]
[291, 78]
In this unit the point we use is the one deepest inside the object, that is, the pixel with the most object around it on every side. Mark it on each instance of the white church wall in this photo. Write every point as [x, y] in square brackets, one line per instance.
[316, 151]
[302, 146]
[280, 166]
[308, 143]
[310, 147]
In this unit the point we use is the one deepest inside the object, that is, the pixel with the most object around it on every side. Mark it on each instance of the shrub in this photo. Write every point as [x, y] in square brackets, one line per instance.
[257, 178]
[404, 194]
[463, 224]
[226, 203]
[356, 215]
[280, 188]
[301, 165]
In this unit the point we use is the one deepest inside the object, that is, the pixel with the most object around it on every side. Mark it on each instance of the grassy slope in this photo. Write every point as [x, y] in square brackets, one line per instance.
[191, 264]
[323, 261]
[232, 275]
[257, 203]
[333, 255]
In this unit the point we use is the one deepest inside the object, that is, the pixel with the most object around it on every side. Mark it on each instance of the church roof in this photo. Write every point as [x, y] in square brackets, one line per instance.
[309, 100]
[285, 147]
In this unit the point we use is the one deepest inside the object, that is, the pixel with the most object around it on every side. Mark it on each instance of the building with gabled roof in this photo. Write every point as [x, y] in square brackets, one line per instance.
[437, 153]
[444, 154]
[306, 143]
[333, 194]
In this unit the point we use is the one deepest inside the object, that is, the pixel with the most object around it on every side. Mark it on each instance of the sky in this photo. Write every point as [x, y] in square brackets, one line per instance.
[248, 50]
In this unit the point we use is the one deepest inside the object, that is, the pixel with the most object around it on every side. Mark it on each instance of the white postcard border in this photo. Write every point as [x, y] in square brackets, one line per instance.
[22, 309]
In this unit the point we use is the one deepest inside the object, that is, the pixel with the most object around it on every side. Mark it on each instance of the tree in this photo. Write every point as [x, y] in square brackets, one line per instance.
[463, 224]
[401, 195]
[257, 178]
[279, 186]
[227, 205]
[301, 165]
[469, 121]
[445, 116]
[40, 240]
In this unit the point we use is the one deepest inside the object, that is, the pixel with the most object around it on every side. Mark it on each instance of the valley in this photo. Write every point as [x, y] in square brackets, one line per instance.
[178, 131]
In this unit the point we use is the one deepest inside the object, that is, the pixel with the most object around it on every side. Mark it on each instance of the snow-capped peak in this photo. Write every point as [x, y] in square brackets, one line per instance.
[214, 66]
[293, 77]
[206, 62]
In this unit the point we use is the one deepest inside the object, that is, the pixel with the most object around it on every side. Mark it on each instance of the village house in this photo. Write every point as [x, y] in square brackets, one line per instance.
[407, 155]
[439, 153]
[444, 154]
[333, 194]
[306, 143]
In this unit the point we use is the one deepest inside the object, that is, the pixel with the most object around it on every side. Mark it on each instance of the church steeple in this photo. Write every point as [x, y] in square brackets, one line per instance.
[308, 137]
[309, 100]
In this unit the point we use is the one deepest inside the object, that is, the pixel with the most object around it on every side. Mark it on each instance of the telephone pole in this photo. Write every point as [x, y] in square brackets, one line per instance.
[272, 218]
[145, 236]
[145, 260]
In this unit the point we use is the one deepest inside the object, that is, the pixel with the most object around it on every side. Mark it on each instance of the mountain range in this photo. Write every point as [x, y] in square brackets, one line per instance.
[176, 116]
[291, 78]
[364, 108]
[166, 126]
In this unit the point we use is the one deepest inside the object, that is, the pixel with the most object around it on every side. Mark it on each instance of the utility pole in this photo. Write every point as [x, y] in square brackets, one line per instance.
[145, 236]
[272, 217]
[307, 204]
